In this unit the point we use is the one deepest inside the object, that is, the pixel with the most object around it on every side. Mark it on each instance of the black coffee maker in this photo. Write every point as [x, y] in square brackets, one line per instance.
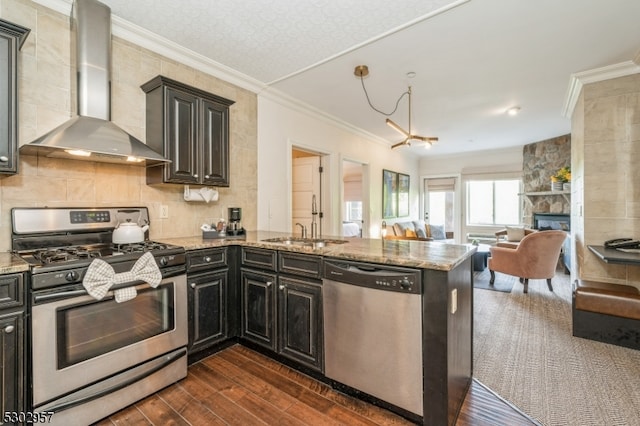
[235, 217]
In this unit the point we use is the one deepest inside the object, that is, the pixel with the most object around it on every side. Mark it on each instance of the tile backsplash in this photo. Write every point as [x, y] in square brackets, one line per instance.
[46, 99]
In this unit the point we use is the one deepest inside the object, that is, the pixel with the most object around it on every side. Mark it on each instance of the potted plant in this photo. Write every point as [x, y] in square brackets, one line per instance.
[560, 178]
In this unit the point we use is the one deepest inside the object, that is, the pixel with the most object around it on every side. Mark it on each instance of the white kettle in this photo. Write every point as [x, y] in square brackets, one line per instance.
[129, 232]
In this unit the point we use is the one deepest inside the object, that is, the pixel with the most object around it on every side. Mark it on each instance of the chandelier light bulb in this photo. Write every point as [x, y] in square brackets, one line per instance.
[513, 111]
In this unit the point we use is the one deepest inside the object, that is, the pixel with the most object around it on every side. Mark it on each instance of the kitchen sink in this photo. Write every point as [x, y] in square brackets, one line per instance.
[305, 242]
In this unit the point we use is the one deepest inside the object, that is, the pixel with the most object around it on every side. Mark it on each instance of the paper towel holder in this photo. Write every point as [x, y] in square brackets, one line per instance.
[205, 194]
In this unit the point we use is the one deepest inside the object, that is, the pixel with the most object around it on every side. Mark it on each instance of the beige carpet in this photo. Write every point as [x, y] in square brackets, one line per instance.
[524, 351]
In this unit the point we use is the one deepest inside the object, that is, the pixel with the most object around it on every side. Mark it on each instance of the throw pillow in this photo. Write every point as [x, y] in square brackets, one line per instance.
[515, 233]
[400, 228]
[437, 232]
[409, 233]
[421, 228]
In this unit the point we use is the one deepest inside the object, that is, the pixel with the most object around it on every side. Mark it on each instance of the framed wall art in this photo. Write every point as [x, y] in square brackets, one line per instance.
[403, 195]
[389, 194]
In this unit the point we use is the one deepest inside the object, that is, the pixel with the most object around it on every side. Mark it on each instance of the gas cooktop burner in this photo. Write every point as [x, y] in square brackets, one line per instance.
[65, 254]
[68, 254]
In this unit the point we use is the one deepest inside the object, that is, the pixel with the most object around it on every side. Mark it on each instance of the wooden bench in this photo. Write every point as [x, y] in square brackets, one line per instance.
[608, 313]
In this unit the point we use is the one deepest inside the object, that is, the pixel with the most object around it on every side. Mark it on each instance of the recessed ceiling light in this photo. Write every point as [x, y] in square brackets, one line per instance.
[513, 110]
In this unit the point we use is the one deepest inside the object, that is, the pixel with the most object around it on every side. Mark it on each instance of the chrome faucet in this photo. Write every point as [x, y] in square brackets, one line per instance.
[303, 229]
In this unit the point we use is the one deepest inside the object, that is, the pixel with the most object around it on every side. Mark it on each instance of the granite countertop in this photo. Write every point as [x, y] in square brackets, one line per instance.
[415, 254]
[12, 264]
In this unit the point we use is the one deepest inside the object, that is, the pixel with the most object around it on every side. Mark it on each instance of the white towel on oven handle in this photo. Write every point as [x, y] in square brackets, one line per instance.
[101, 276]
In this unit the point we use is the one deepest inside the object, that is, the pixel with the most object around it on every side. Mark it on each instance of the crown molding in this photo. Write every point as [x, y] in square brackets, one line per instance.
[139, 36]
[578, 80]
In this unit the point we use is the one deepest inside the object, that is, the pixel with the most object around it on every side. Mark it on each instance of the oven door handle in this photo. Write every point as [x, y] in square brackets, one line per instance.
[68, 294]
[170, 359]
[48, 297]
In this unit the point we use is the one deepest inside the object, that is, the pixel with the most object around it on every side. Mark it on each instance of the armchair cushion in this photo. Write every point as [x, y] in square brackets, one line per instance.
[515, 233]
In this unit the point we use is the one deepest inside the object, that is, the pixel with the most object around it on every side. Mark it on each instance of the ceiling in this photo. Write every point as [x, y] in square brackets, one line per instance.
[473, 59]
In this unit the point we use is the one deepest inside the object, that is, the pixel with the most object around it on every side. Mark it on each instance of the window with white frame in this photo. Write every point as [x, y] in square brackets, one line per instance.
[493, 202]
[353, 211]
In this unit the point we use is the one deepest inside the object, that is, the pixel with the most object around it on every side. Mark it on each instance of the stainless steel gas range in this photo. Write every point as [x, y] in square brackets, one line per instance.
[93, 356]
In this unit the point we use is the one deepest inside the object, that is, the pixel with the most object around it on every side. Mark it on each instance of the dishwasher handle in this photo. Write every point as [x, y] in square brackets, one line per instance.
[382, 277]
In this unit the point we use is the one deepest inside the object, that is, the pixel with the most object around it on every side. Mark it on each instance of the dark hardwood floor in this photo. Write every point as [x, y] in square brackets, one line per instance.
[238, 386]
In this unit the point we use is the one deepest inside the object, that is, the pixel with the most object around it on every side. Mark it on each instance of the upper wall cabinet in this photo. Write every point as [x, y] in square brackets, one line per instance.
[191, 128]
[11, 38]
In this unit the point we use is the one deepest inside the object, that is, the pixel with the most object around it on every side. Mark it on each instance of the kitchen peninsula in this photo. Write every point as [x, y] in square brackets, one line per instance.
[446, 300]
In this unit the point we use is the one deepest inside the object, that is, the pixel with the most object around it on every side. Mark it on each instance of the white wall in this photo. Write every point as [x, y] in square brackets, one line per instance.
[282, 126]
[489, 162]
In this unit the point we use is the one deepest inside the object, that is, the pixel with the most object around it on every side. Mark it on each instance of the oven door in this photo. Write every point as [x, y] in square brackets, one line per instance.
[78, 340]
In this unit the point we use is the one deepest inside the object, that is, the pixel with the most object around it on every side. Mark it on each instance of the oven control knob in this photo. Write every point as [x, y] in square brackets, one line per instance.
[163, 261]
[71, 276]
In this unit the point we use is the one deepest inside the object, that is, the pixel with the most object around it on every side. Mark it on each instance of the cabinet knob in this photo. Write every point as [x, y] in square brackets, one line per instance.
[281, 287]
[195, 176]
[206, 176]
[269, 283]
[207, 259]
[8, 329]
[4, 158]
[193, 285]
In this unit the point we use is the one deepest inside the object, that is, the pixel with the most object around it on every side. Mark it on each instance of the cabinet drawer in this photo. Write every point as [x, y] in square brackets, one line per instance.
[206, 259]
[300, 264]
[259, 258]
[11, 291]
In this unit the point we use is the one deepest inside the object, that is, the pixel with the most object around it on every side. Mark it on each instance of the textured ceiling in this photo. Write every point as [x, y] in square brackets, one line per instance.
[473, 59]
[271, 39]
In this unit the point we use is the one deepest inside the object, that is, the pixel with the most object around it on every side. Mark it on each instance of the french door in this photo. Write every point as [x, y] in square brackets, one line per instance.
[441, 203]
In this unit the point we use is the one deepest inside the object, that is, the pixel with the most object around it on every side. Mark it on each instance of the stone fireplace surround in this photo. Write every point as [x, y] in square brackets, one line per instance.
[540, 161]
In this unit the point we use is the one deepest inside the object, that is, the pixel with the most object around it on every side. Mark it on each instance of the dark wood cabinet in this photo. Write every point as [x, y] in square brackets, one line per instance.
[191, 128]
[211, 297]
[11, 38]
[300, 321]
[207, 309]
[282, 304]
[12, 353]
[259, 307]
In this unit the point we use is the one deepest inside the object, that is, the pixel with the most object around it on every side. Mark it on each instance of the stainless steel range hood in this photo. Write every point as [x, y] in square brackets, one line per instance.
[91, 135]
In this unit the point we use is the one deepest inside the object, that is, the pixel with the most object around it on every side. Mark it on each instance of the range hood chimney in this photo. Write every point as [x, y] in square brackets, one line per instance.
[91, 135]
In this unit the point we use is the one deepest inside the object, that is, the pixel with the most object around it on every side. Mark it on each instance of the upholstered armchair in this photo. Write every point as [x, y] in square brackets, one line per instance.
[536, 257]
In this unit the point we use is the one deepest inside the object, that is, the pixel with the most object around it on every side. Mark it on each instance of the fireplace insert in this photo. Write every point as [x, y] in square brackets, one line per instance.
[546, 221]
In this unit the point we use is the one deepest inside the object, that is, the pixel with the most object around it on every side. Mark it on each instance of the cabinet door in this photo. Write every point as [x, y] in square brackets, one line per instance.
[258, 307]
[181, 136]
[11, 37]
[300, 321]
[11, 387]
[215, 143]
[207, 309]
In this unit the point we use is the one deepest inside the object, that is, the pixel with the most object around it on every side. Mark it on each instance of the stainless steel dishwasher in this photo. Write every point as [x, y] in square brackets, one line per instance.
[373, 330]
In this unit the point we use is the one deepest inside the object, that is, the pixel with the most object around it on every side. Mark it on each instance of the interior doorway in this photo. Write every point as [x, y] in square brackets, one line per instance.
[354, 199]
[441, 204]
[306, 192]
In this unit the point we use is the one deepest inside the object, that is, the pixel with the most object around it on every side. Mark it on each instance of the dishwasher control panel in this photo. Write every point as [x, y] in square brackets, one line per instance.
[370, 275]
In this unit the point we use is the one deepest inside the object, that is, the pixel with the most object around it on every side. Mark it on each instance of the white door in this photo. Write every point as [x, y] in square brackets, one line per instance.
[440, 204]
[306, 185]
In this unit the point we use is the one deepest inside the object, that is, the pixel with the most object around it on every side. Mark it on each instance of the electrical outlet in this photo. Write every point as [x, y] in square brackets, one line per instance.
[164, 211]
